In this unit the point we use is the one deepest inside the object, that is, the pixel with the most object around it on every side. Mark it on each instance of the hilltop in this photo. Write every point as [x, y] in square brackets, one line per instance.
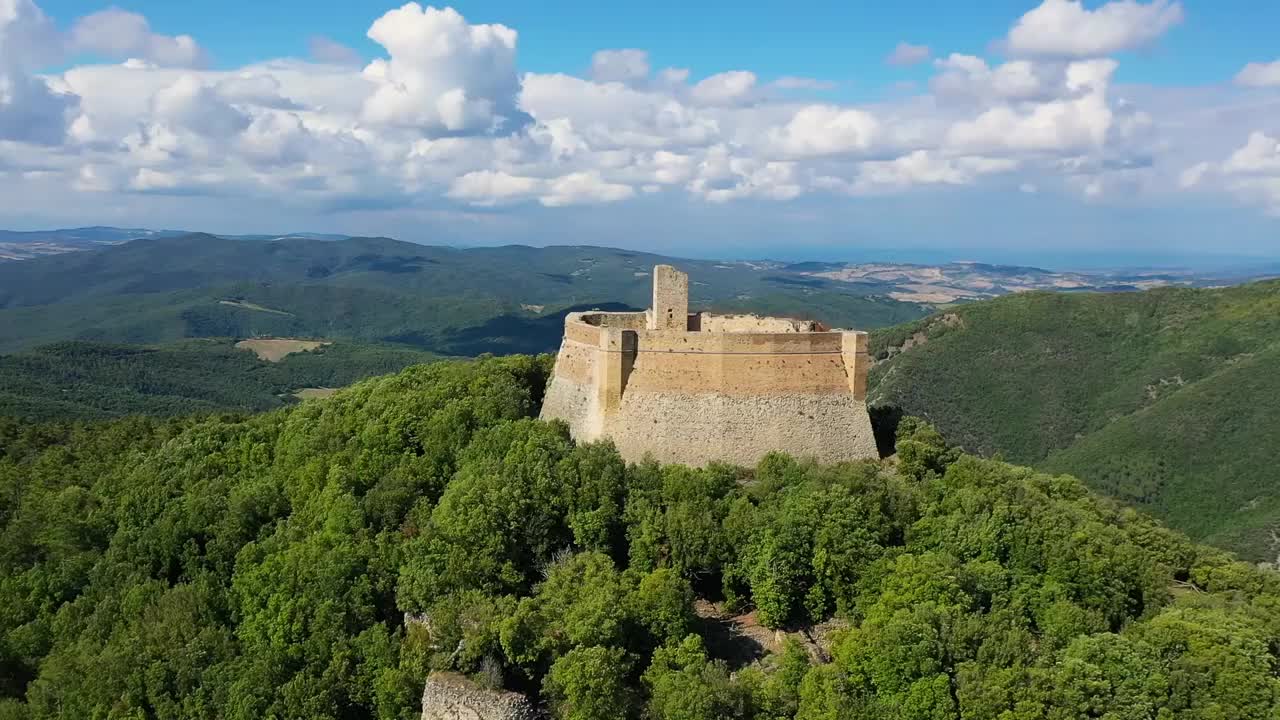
[319, 561]
[1167, 399]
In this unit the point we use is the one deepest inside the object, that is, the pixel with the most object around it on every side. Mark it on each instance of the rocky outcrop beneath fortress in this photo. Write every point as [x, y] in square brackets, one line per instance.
[450, 696]
[709, 387]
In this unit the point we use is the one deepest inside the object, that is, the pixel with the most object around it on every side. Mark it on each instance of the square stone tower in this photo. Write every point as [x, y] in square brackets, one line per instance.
[670, 309]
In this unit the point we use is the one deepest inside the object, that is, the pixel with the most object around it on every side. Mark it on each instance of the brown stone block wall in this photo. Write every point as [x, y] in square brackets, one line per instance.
[738, 374]
[775, 343]
[695, 429]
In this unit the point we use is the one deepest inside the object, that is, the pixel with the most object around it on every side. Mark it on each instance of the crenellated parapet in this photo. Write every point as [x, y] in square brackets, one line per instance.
[698, 387]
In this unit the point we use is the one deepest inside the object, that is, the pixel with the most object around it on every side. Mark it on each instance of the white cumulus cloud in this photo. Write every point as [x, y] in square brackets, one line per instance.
[443, 75]
[1078, 121]
[1260, 75]
[27, 36]
[30, 109]
[489, 187]
[119, 34]
[1066, 28]
[1251, 173]
[725, 88]
[446, 118]
[1260, 155]
[969, 77]
[587, 187]
[826, 130]
[191, 104]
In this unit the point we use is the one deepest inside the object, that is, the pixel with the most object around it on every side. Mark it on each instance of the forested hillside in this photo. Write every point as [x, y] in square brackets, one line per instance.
[87, 381]
[263, 567]
[1167, 399]
[446, 300]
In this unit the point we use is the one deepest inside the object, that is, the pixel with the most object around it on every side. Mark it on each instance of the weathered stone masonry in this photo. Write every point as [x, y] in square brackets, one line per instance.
[695, 388]
[449, 696]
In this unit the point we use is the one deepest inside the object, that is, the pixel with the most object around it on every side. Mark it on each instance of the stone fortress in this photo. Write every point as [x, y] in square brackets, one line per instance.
[694, 388]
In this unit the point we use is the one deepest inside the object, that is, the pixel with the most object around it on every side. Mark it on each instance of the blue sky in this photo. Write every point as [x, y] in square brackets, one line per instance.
[1021, 130]
[839, 41]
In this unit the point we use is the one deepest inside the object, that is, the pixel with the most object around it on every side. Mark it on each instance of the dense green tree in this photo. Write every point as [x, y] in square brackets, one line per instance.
[317, 562]
[662, 603]
[590, 683]
[684, 684]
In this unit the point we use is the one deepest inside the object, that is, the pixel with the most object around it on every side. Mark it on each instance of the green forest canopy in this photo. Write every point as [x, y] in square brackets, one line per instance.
[259, 567]
[91, 381]
[1167, 399]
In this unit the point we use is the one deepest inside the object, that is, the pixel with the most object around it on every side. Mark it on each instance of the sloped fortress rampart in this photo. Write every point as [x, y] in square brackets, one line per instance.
[696, 387]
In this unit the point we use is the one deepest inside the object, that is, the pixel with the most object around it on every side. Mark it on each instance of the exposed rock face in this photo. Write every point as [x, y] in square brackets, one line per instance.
[449, 696]
[707, 388]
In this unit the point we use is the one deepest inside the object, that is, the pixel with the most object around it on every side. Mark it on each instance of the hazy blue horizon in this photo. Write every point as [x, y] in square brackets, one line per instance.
[1058, 260]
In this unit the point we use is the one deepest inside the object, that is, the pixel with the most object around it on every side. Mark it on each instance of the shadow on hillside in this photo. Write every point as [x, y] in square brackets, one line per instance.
[726, 637]
[509, 334]
[884, 424]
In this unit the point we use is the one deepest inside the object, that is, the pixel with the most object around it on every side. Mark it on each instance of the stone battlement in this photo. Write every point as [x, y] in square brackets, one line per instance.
[699, 387]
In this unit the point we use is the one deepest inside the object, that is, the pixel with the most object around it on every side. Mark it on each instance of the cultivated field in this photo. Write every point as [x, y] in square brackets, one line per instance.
[275, 349]
[315, 393]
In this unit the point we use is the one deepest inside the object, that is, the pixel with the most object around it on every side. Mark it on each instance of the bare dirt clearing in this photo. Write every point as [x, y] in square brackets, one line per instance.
[741, 640]
[275, 349]
[315, 393]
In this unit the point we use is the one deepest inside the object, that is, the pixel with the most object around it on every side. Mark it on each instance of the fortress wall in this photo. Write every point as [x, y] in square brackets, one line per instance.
[739, 363]
[738, 343]
[695, 429]
[581, 332]
[708, 322]
[702, 396]
[573, 394]
[738, 374]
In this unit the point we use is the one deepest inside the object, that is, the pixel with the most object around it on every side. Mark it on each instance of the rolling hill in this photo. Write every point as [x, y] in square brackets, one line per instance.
[92, 381]
[1167, 399]
[503, 299]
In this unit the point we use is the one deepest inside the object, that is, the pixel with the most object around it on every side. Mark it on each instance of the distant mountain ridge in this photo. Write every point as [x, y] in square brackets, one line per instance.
[30, 244]
[449, 300]
[168, 285]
